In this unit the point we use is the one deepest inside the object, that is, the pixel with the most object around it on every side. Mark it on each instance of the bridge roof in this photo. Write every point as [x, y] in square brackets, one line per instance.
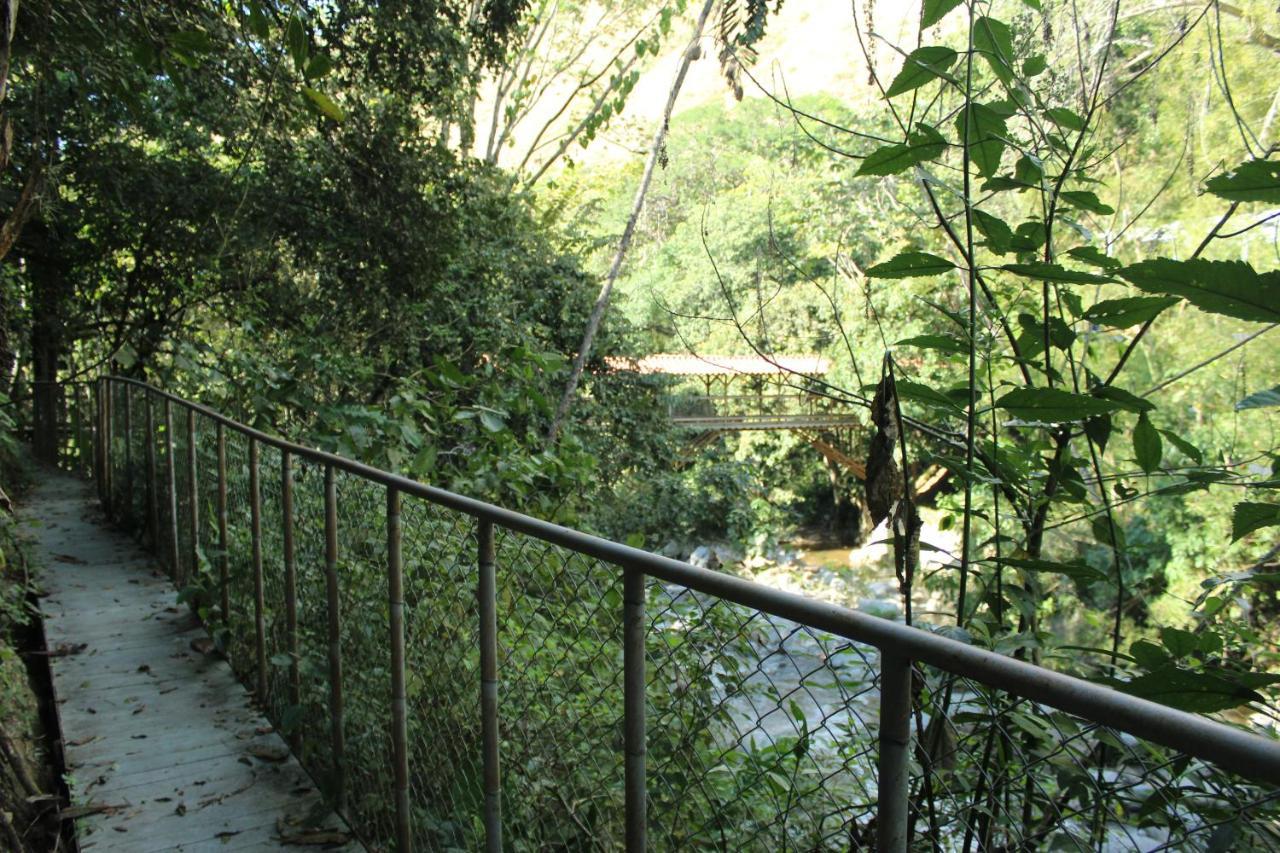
[684, 364]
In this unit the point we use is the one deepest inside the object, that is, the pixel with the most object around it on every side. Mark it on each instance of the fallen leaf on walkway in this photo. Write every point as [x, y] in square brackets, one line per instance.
[267, 752]
[67, 558]
[315, 838]
[203, 645]
[89, 808]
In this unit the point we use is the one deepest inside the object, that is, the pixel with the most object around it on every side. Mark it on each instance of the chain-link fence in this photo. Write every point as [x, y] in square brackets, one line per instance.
[455, 675]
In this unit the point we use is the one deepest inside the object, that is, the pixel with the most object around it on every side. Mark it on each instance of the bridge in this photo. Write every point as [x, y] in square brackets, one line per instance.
[437, 672]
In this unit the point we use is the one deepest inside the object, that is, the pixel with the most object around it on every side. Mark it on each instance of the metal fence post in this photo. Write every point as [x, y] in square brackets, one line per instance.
[633, 678]
[97, 438]
[171, 477]
[399, 719]
[488, 595]
[290, 590]
[127, 515]
[895, 753]
[224, 559]
[153, 489]
[81, 468]
[193, 492]
[107, 440]
[259, 595]
[76, 460]
[336, 731]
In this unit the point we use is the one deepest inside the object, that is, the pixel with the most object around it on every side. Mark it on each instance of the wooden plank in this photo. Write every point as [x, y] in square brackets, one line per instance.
[159, 730]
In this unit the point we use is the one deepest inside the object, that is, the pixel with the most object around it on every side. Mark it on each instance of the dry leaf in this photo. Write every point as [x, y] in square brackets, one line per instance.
[267, 752]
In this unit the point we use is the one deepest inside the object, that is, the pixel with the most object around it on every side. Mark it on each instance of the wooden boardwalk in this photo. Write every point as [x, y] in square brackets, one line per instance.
[161, 743]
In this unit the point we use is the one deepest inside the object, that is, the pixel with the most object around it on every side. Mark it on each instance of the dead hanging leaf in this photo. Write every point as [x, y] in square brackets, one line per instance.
[318, 838]
[884, 477]
[268, 752]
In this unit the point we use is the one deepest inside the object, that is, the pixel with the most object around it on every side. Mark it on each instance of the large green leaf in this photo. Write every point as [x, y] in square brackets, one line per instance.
[1076, 570]
[1187, 690]
[941, 343]
[1255, 180]
[1093, 256]
[1250, 516]
[928, 396]
[923, 65]
[935, 10]
[1056, 273]
[1123, 313]
[991, 38]
[1232, 288]
[986, 136]
[1188, 449]
[1052, 405]
[1087, 201]
[998, 233]
[925, 143]
[1147, 448]
[1064, 117]
[324, 103]
[910, 265]
[1260, 399]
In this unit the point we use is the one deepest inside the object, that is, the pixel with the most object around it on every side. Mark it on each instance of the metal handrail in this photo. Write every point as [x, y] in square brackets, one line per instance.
[1242, 752]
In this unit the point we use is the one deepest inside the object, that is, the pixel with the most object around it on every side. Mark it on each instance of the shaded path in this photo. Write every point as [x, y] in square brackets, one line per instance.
[162, 746]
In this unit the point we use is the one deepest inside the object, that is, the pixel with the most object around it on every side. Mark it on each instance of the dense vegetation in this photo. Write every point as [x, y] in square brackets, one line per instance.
[1038, 243]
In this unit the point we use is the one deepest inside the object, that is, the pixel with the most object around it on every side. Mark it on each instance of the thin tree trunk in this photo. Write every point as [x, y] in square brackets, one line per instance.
[606, 290]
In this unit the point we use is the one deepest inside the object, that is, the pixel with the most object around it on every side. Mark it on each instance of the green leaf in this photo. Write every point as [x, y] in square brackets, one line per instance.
[1099, 431]
[1034, 66]
[1064, 117]
[1102, 529]
[1250, 516]
[923, 65]
[257, 22]
[191, 41]
[1056, 273]
[324, 103]
[935, 10]
[1053, 405]
[911, 265]
[923, 144]
[986, 132]
[296, 40]
[991, 38]
[1086, 201]
[1188, 449]
[491, 422]
[1029, 171]
[1198, 692]
[1076, 570]
[1254, 180]
[1029, 236]
[1130, 311]
[319, 66]
[928, 396]
[941, 343]
[1148, 654]
[1147, 448]
[1094, 257]
[1126, 400]
[1179, 643]
[1232, 288]
[1260, 399]
[998, 234]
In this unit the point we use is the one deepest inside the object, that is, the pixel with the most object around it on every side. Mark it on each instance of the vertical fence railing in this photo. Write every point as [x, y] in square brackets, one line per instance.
[661, 605]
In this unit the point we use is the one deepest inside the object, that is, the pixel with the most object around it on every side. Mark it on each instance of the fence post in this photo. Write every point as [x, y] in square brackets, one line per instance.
[127, 514]
[633, 670]
[97, 438]
[107, 436]
[171, 477]
[81, 413]
[290, 590]
[153, 490]
[76, 461]
[399, 720]
[259, 595]
[336, 733]
[488, 594]
[224, 558]
[895, 753]
[193, 492]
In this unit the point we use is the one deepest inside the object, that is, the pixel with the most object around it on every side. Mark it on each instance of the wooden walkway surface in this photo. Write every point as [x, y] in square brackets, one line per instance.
[161, 743]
